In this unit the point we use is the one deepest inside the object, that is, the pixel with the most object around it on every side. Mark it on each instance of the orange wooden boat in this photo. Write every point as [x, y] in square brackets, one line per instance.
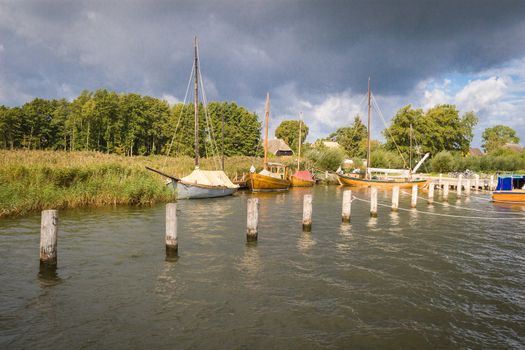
[510, 189]
[302, 179]
[273, 176]
[348, 180]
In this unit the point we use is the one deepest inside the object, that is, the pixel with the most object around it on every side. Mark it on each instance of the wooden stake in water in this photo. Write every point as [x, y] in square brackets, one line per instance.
[431, 193]
[440, 181]
[172, 245]
[476, 182]
[413, 202]
[307, 213]
[445, 192]
[373, 202]
[467, 187]
[347, 205]
[48, 238]
[252, 223]
[460, 185]
[395, 198]
[491, 183]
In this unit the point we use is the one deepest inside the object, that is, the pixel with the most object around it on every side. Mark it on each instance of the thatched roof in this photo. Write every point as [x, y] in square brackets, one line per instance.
[276, 146]
[475, 152]
[513, 147]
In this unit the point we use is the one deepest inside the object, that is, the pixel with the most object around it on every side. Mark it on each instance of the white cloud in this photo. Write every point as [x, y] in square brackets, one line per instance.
[478, 95]
[172, 100]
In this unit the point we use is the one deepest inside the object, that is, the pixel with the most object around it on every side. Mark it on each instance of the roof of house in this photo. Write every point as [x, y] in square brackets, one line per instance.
[277, 145]
[475, 152]
[331, 144]
[513, 147]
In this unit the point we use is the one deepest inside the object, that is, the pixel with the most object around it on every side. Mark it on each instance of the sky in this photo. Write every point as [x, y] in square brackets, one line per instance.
[313, 57]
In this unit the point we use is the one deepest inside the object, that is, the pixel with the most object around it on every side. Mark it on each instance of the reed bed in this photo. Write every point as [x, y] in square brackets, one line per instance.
[36, 180]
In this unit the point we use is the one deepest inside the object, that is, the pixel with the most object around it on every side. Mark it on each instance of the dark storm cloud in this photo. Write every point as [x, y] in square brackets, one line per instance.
[52, 48]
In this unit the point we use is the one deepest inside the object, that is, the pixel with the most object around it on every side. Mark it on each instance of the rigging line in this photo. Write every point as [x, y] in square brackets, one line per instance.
[180, 115]
[445, 215]
[380, 113]
[458, 206]
[209, 125]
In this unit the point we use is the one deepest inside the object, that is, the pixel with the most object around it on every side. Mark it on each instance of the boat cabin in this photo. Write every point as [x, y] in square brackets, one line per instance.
[509, 183]
[277, 169]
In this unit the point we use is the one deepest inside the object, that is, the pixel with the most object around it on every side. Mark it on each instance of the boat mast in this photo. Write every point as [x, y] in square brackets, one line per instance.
[299, 156]
[267, 112]
[222, 142]
[196, 105]
[369, 131]
[410, 153]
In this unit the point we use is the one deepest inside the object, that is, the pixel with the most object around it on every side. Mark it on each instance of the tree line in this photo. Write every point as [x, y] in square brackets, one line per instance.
[128, 124]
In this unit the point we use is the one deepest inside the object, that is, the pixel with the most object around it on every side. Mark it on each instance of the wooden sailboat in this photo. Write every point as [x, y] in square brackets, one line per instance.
[202, 183]
[406, 181]
[510, 189]
[301, 178]
[273, 176]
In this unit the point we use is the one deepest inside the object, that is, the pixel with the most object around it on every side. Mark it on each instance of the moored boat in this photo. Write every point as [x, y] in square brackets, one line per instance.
[367, 179]
[273, 176]
[302, 178]
[510, 189]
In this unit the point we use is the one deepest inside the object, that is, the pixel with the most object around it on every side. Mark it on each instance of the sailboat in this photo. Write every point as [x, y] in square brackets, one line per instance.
[301, 178]
[406, 180]
[273, 176]
[201, 183]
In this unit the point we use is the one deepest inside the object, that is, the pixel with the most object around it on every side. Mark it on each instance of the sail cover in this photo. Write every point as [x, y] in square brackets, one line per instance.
[208, 178]
[304, 175]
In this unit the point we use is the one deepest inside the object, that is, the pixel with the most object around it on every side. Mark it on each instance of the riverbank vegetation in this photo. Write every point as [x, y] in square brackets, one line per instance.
[34, 180]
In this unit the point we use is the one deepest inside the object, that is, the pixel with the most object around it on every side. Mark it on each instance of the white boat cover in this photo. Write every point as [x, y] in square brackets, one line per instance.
[209, 178]
[269, 173]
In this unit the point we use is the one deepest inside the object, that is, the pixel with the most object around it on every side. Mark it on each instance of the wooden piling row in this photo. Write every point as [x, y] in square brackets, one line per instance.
[395, 198]
[347, 205]
[431, 193]
[307, 213]
[252, 221]
[172, 245]
[373, 202]
[413, 202]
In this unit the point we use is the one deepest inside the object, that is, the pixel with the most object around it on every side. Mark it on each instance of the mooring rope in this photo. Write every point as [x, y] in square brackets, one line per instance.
[458, 206]
[440, 214]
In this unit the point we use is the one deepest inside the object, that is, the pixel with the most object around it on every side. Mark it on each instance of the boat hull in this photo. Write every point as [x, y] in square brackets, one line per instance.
[264, 183]
[509, 196]
[189, 191]
[357, 182]
[297, 182]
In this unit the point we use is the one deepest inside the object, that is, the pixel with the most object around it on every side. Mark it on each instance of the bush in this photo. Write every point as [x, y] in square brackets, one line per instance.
[443, 162]
[326, 159]
[381, 158]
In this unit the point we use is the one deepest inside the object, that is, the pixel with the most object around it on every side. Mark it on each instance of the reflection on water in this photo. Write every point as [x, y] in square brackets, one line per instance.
[405, 279]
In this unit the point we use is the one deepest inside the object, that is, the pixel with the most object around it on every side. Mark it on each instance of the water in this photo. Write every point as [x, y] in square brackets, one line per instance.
[406, 280]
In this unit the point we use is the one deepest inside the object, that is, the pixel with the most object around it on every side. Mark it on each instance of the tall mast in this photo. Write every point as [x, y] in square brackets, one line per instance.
[410, 157]
[369, 130]
[196, 105]
[299, 147]
[222, 142]
[267, 112]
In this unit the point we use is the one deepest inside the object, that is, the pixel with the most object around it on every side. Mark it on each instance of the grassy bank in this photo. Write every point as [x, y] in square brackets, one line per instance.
[35, 180]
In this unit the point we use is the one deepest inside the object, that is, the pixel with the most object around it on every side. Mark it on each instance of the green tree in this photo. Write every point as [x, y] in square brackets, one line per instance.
[439, 129]
[352, 138]
[497, 136]
[288, 131]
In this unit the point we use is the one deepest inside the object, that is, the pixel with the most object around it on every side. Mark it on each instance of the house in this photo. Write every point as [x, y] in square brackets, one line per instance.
[513, 147]
[331, 144]
[475, 152]
[279, 148]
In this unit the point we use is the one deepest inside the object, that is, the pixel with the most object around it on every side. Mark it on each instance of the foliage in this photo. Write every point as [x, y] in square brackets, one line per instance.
[439, 129]
[326, 158]
[497, 136]
[381, 158]
[128, 124]
[288, 131]
[443, 162]
[352, 138]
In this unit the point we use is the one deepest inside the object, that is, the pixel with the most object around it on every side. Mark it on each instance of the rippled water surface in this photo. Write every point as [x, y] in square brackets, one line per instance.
[407, 280]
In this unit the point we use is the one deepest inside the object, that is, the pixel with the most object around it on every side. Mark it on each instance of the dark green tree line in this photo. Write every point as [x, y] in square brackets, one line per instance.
[128, 124]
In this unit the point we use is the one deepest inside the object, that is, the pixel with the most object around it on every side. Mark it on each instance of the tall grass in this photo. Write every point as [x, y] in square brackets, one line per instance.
[35, 180]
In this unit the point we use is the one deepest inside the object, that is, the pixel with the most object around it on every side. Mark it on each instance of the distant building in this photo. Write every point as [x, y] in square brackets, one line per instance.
[279, 148]
[513, 147]
[475, 152]
[331, 144]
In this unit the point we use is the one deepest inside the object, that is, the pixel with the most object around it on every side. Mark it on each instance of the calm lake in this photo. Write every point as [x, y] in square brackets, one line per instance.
[406, 280]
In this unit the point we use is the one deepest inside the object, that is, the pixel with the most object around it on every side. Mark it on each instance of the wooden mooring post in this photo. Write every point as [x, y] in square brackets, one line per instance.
[373, 202]
[171, 240]
[467, 187]
[491, 183]
[460, 185]
[252, 220]
[307, 213]
[347, 205]
[413, 202]
[395, 198]
[48, 239]
[476, 182]
[431, 193]
[445, 191]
